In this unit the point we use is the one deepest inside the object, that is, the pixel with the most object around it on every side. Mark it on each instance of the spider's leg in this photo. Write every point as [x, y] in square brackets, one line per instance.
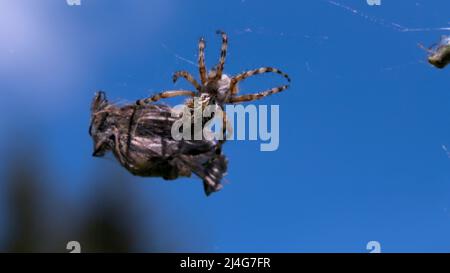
[201, 60]
[257, 96]
[227, 129]
[188, 77]
[250, 73]
[164, 95]
[223, 54]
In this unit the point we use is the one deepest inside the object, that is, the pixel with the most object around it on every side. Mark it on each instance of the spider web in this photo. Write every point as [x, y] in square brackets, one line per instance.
[394, 26]
[390, 25]
[383, 22]
[178, 56]
[399, 28]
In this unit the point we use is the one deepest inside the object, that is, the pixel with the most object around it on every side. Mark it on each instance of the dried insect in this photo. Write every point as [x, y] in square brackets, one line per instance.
[140, 139]
[217, 87]
[439, 55]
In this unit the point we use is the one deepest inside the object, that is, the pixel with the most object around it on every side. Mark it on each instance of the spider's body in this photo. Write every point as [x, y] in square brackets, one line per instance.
[218, 87]
[215, 87]
[140, 138]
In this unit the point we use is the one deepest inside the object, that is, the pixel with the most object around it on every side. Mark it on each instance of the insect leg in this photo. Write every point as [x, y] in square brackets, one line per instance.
[164, 95]
[188, 77]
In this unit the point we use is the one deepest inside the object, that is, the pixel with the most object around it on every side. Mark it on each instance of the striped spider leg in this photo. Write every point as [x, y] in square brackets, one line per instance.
[223, 55]
[201, 60]
[251, 97]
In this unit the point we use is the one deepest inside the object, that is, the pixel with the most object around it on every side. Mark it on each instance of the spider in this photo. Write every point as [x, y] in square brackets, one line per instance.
[217, 87]
[439, 55]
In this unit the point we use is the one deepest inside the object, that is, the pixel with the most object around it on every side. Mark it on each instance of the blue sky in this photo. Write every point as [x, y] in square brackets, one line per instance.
[362, 127]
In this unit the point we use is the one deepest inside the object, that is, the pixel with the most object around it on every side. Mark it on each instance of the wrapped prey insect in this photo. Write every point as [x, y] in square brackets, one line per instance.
[140, 138]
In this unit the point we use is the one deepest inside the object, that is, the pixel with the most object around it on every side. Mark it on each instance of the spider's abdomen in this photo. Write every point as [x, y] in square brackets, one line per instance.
[219, 89]
[223, 91]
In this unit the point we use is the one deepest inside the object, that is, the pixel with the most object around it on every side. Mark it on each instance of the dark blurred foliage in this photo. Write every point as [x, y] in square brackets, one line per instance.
[40, 222]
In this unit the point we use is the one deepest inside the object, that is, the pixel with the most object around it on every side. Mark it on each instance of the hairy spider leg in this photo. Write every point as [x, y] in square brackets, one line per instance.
[223, 54]
[188, 77]
[253, 72]
[257, 96]
[201, 61]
